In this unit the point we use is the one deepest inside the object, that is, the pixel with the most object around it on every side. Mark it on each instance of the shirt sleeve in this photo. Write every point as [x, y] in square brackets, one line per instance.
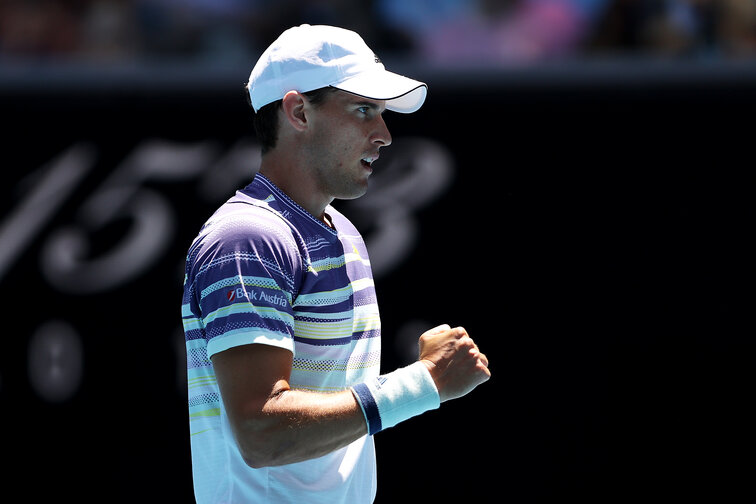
[248, 282]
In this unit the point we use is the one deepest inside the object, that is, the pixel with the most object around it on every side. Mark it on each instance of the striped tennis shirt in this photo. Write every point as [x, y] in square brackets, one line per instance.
[263, 270]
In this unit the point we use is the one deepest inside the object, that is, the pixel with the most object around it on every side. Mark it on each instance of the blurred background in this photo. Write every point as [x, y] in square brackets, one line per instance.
[577, 192]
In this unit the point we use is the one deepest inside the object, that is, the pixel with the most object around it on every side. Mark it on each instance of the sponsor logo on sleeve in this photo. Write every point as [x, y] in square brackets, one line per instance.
[240, 294]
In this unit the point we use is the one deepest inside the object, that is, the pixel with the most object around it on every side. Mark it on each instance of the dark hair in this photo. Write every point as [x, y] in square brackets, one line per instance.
[265, 120]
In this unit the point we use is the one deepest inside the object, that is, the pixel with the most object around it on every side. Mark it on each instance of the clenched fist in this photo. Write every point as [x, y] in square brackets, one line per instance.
[454, 361]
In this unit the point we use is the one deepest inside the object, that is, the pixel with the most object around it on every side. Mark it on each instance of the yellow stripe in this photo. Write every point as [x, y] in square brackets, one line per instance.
[206, 413]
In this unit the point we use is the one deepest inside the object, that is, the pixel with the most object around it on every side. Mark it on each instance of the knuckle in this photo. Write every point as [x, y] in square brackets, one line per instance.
[466, 342]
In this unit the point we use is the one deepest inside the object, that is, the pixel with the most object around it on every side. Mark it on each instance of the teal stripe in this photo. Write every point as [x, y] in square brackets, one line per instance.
[199, 372]
[251, 334]
[196, 343]
[264, 312]
[325, 298]
[251, 281]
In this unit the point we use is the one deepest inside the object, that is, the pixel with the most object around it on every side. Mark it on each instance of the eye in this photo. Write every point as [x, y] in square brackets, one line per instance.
[364, 110]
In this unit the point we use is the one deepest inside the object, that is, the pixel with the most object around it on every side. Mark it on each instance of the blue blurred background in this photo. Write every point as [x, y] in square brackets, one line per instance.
[444, 32]
[577, 191]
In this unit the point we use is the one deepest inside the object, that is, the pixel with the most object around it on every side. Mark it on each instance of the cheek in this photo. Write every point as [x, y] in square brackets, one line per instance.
[342, 140]
[346, 145]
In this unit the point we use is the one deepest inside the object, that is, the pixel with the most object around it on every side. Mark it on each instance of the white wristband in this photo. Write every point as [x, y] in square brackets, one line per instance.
[397, 396]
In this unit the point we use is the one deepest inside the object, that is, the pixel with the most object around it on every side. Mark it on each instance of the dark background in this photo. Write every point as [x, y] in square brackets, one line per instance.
[576, 191]
[595, 240]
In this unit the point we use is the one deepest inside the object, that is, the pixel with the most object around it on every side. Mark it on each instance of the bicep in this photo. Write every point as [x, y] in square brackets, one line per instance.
[248, 376]
[274, 424]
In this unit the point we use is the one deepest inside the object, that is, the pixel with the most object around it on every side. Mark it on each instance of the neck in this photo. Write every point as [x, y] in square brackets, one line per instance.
[295, 182]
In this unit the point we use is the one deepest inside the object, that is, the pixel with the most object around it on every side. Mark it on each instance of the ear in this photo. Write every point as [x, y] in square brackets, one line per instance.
[293, 106]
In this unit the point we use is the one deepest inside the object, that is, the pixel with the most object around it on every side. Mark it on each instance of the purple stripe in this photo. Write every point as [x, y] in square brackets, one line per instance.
[324, 342]
[370, 333]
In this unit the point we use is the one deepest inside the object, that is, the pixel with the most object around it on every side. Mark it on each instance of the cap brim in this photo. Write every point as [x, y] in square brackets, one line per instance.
[401, 93]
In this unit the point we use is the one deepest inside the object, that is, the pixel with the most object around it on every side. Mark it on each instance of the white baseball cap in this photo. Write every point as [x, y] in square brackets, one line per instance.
[305, 58]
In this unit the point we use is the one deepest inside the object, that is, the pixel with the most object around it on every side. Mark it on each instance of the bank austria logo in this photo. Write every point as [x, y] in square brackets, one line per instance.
[239, 294]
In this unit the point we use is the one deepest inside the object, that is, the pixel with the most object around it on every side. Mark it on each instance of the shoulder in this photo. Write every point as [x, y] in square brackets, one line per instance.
[243, 220]
[246, 231]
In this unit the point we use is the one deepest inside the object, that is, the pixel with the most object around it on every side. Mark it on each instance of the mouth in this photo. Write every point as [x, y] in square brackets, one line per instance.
[368, 161]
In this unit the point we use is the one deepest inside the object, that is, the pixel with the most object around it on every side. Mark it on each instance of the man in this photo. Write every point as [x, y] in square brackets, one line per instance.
[280, 313]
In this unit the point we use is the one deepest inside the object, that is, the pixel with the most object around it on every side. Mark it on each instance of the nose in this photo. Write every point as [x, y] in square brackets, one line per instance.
[381, 137]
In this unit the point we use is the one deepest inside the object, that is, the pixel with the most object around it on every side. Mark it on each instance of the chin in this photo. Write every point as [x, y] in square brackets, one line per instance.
[354, 192]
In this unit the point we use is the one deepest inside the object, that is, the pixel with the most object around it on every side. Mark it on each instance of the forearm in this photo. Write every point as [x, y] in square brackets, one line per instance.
[275, 425]
[297, 425]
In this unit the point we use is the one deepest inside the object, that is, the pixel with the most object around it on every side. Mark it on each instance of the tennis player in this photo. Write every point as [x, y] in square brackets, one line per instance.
[280, 313]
